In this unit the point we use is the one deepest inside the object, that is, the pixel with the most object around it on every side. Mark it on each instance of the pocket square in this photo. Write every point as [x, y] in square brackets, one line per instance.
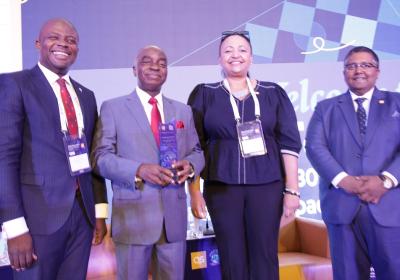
[180, 124]
[396, 114]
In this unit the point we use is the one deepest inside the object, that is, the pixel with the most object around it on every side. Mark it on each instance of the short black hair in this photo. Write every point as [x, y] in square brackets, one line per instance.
[359, 49]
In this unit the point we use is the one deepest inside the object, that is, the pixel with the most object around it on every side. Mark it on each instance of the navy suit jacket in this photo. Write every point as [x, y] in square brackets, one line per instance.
[334, 144]
[35, 180]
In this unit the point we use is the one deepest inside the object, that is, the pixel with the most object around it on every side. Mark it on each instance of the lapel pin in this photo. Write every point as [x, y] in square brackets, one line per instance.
[381, 101]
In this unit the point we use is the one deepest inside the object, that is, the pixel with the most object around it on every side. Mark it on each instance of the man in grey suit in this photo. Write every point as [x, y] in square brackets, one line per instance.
[353, 141]
[149, 214]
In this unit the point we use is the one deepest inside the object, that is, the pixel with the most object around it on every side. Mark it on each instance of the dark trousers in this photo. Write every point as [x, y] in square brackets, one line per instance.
[246, 223]
[65, 253]
[357, 246]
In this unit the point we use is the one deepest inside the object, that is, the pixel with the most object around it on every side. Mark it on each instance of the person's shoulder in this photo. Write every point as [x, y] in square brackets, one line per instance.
[270, 90]
[120, 99]
[208, 86]
[330, 102]
[80, 87]
[214, 85]
[391, 94]
[17, 81]
[204, 91]
[269, 87]
[117, 102]
[177, 104]
[17, 75]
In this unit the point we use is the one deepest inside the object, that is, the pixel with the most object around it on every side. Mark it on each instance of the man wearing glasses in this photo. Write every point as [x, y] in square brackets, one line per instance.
[353, 141]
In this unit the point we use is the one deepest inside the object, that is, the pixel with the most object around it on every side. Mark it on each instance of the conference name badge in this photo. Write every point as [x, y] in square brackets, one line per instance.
[251, 138]
[168, 147]
[76, 150]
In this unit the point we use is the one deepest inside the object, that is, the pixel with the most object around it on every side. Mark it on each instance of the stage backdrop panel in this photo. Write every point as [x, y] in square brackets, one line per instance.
[298, 44]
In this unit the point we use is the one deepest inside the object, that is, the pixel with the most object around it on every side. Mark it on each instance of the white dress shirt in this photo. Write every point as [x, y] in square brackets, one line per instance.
[144, 99]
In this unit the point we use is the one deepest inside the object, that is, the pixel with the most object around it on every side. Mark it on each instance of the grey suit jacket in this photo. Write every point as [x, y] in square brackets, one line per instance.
[123, 141]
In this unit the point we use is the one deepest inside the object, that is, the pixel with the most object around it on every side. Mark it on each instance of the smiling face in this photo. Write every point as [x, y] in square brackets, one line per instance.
[359, 79]
[235, 56]
[58, 45]
[151, 69]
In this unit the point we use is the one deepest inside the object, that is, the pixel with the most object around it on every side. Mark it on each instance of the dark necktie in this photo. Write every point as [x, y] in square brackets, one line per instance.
[69, 108]
[155, 119]
[361, 115]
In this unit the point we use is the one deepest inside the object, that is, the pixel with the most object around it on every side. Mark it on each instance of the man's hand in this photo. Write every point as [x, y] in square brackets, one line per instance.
[20, 252]
[155, 174]
[351, 184]
[100, 231]
[372, 189]
[183, 168]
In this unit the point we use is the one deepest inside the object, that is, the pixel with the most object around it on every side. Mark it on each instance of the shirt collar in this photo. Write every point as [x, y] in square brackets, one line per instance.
[367, 95]
[51, 76]
[144, 96]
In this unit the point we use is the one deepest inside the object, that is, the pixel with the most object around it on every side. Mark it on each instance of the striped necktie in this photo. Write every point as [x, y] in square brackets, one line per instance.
[361, 115]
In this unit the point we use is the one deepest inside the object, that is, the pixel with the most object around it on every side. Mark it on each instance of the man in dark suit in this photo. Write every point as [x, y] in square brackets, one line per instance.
[149, 215]
[47, 193]
[353, 141]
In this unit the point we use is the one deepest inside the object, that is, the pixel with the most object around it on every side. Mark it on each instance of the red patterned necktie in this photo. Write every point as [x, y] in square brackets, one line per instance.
[155, 119]
[69, 108]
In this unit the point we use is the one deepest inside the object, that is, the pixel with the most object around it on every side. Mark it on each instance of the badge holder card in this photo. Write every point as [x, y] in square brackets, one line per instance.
[168, 147]
[76, 150]
[251, 138]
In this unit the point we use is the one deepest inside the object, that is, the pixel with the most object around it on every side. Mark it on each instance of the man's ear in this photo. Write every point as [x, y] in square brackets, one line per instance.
[134, 70]
[37, 44]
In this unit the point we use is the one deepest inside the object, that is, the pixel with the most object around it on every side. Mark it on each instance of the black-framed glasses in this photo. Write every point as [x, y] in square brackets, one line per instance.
[362, 65]
[243, 33]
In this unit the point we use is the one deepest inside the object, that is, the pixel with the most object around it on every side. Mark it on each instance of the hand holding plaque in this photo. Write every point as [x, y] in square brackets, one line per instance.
[168, 147]
[184, 170]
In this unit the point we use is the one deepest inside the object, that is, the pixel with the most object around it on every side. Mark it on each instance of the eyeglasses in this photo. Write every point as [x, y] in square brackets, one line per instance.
[362, 65]
[243, 33]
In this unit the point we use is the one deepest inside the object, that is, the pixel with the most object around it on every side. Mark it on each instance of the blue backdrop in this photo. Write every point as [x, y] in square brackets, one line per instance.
[298, 43]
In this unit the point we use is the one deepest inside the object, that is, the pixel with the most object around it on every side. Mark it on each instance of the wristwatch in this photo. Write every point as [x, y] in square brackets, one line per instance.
[387, 183]
[191, 174]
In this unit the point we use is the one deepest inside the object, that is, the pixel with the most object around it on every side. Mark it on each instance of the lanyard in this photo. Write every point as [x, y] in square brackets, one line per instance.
[63, 115]
[234, 105]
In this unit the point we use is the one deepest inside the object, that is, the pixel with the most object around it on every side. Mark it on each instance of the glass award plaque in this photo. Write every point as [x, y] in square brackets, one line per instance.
[168, 147]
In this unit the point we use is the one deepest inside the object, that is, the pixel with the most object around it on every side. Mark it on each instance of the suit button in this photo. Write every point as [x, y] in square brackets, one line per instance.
[358, 155]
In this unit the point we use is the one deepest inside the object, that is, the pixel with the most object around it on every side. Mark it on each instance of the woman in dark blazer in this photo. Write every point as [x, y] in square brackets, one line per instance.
[248, 130]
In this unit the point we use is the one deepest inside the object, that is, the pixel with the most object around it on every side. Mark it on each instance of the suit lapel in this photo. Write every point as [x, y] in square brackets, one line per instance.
[375, 114]
[82, 102]
[347, 108]
[169, 110]
[47, 96]
[136, 109]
